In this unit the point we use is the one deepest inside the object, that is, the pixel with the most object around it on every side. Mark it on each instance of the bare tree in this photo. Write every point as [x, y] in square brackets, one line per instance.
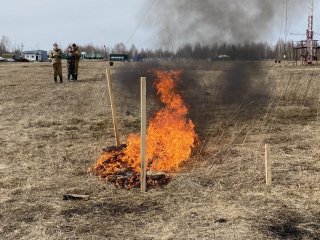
[5, 44]
[133, 52]
[120, 48]
[91, 48]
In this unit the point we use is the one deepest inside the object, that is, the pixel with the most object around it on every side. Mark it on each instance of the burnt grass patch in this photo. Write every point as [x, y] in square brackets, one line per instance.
[289, 224]
[113, 209]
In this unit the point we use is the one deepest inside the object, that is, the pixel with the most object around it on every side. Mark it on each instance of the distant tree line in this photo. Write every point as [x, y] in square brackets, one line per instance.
[245, 51]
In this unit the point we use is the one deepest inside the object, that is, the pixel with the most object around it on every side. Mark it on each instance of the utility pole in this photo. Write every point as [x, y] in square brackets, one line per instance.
[308, 47]
[310, 33]
[286, 32]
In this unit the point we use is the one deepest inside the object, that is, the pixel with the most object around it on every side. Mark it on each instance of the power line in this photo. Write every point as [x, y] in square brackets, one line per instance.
[141, 21]
[286, 31]
[283, 19]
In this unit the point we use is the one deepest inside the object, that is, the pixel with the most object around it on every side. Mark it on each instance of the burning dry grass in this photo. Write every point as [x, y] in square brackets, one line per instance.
[51, 134]
[170, 140]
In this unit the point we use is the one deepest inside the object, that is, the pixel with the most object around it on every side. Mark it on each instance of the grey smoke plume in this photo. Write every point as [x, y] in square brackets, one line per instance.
[208, 22]
[214, 21]
[220, 21]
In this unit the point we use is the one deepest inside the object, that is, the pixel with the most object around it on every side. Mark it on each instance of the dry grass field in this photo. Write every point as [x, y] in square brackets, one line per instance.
[50, 134]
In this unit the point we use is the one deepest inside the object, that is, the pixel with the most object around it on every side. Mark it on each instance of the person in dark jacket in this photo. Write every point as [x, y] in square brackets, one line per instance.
[77, 53]
[71, 60]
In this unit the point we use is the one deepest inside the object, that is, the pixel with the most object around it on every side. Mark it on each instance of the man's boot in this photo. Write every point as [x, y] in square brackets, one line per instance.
[61, 80]
[55, 79]
[75, 77]
[69, 77]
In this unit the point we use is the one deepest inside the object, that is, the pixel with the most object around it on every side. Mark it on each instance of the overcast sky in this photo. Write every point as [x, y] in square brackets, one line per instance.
[39, 23]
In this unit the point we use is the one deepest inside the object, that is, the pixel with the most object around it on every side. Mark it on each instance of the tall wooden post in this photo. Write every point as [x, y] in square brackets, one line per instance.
[113, 108]
[143, 176]
[268, 165]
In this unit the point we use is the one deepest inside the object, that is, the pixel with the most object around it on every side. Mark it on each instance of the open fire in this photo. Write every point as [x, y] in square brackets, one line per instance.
[170, 139]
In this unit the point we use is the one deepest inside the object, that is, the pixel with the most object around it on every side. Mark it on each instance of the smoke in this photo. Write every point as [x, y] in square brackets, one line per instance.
[242, 82]
[224, 22]
[215, 21]
[216, 90]
[127, 82]
[212, 89]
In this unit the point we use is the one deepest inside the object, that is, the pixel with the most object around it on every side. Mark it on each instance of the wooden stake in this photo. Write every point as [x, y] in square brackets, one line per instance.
[113, 108]
[268, 165]
[143, 134]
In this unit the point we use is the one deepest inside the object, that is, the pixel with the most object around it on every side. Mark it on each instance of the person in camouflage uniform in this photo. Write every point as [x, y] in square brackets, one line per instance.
[56, 56]
[71, 59]
[77, 55]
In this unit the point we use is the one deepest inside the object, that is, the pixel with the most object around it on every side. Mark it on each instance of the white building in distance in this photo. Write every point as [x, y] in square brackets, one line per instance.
[36, 55]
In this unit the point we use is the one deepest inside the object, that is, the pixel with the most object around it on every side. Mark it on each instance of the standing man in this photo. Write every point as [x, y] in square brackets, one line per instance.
[56, 56]
[77, 55]
[71, 60]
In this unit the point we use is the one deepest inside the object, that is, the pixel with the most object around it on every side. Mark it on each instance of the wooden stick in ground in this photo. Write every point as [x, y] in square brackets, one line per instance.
[268, 165]
[143, 134]
[113, 108]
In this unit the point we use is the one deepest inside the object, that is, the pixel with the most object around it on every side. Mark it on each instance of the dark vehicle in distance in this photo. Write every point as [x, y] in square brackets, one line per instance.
[20, 59]
[118, 57]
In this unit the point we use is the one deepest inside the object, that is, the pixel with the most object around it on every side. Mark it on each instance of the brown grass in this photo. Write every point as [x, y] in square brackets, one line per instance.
[51, 133]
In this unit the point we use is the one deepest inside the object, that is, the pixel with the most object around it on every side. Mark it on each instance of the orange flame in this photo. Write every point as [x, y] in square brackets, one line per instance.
[170, 135]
